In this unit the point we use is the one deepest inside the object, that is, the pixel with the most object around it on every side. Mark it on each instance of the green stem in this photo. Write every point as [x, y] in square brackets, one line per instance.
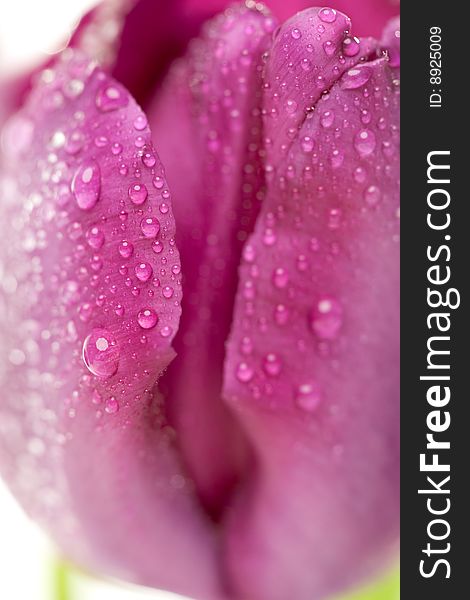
[61, 581]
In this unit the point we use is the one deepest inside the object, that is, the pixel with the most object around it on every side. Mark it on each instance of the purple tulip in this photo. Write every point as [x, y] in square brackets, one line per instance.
[225, 426]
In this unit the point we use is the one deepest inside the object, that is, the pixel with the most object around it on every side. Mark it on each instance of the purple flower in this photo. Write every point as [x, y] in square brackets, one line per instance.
[200, 346]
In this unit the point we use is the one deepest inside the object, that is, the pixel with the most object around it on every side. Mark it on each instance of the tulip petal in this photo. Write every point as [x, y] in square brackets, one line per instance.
[88, 259]
[312, 367]
[207, 121]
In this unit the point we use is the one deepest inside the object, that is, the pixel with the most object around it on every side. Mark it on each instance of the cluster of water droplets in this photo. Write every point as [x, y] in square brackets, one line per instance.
[332, 173]
[102, 270]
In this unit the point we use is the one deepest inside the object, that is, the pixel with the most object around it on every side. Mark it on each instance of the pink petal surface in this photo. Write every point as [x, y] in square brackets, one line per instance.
[88, 257]
[207, 121]
[312, 365]
[300, 463]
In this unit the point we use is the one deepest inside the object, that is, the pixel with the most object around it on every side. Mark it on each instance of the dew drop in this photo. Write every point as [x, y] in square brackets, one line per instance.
[272, 364]
[364, 142]
[296, 33]
[95, 237]
[166, 331]
[143, 271]
[137, 193]
[85, 311]
[140, 123]
[86, 185]
[372, 195]
[355, 78]
[308, 396]
[111, 406]
[147, 318]
[307, 144]
[281, 314]
[326, 318]
[329, 48]
[167, 292]
[150, 227]
[157, 247]
[280, 278]
[101, 353]
[291, 106]
[149, 159]
[116, 148]
[327, 119]
[351, 46]
[111, 97]
[327, 15]
[244, 372]
[126, 249]
[360, 174]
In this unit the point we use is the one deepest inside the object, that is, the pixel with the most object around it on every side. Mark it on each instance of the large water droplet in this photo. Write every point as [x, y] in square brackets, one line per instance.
[147, 318]
[143, 271]
[150, 227]
[244, 372]
[327, 15]
[355, 78]
[111, 97]
[86, 185]
[138, 193]
[351, 46]
[101, 353]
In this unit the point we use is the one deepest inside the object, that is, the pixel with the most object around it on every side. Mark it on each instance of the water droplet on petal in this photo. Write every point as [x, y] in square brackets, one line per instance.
[355, 78]
[291, 106]
[101, 353]
[150, 227]
[111, 97]
[351, 46]
[296, 33]
[167, 292]
[111, 406]
[147, 318]
[143, 271]
[364, 142]
[360, 174]
[149, 159]
[281, 314]
[327, 119]
[125, 249]
[326, 318]
[138, 193]
[85, 311]
[140, 123]
[244, 372]
[308, 396]
[327, 15]
[157, 247]
[372, 195]
[329, 48]
[95, 237]
[86, 185]
[280, 277]
[272, 364]
[307, 144]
